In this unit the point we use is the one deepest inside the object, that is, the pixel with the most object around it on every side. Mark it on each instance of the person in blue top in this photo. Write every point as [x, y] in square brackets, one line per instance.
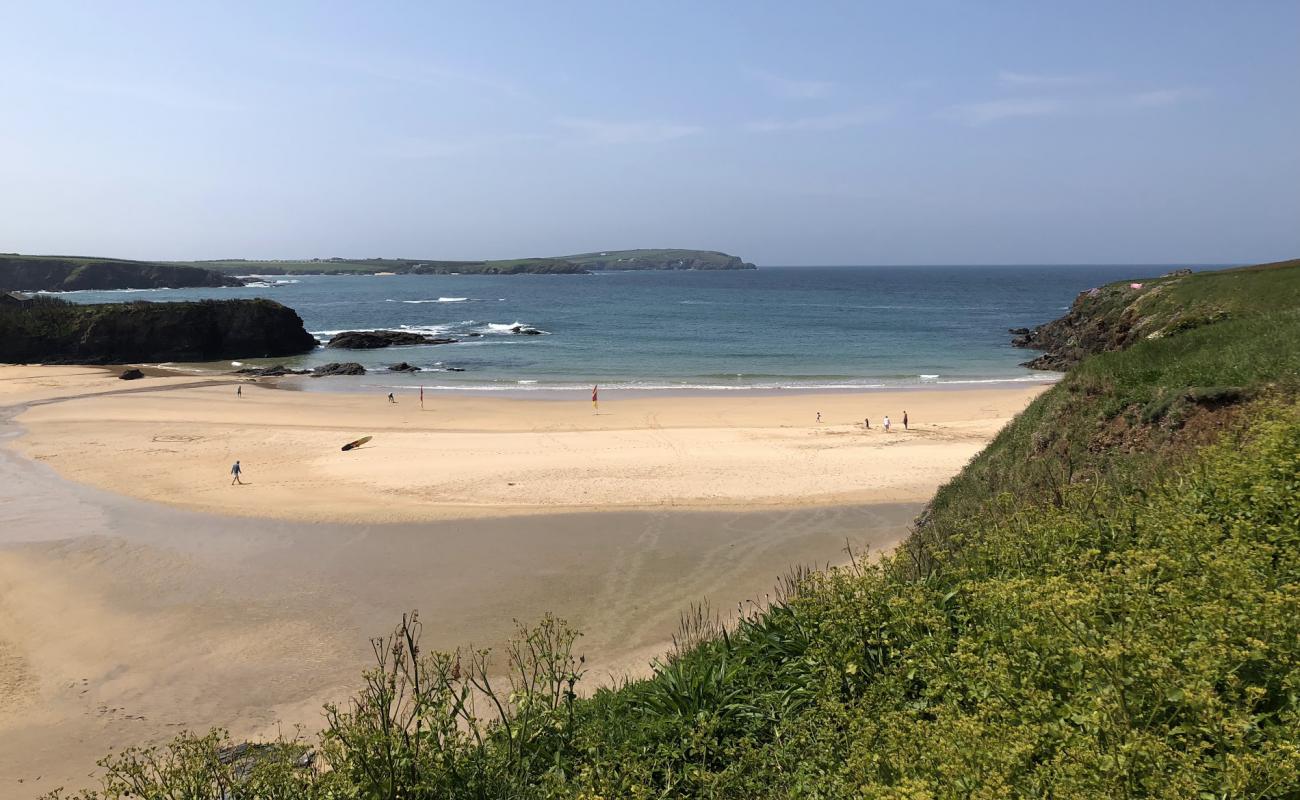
[236, 471]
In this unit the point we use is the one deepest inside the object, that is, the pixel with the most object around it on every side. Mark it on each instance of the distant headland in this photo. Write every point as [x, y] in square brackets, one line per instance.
[608, 260]
[73, 273]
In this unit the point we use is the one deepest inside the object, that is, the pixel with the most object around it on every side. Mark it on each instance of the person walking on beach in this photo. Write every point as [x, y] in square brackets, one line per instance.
[904, 419]
[866, 423]
[236, 471]
[886, 423]
[239, 391]
[819, 416]
[391, 398]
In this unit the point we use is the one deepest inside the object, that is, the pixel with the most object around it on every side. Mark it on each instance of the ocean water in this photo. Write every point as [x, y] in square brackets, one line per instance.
[773, 328]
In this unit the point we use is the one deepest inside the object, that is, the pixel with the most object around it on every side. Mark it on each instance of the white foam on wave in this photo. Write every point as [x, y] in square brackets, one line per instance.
[115, 291]
[507, 328]
[266, 281]
[422, 302]
[1045, 377]
[432, 330]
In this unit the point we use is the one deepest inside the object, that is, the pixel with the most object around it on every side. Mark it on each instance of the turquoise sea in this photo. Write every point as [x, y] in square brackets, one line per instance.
[772, 328]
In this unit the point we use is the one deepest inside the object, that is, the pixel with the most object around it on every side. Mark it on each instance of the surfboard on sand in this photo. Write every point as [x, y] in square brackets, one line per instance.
[357, 443]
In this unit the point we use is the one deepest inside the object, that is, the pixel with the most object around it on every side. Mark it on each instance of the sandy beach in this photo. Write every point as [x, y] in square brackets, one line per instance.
[141, 594]
[467, 456]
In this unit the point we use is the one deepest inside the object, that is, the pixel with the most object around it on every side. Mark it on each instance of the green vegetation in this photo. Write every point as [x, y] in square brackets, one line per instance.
[1104, 603]
[90, 268]
[1113, 317]
[658, 259]
[70, 273]
[401, 266]
[609, 260]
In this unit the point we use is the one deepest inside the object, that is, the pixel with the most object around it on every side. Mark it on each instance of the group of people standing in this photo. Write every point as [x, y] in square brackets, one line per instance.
[866, 421]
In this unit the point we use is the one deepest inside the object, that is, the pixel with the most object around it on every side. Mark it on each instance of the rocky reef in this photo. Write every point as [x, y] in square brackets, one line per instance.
[373, 340]
[336, 368]
[52, 331]
[65, 274]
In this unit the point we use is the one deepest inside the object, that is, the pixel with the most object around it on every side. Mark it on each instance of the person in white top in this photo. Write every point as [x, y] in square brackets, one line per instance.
[886, 423]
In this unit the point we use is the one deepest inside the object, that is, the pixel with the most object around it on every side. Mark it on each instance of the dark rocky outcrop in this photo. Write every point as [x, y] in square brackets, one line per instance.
[1115, 316]
[335, 368]
[1090, 326]
[131, 375]
[52, 331]
[277, 371]
[403, 367]
[371, 340]
[61, 274]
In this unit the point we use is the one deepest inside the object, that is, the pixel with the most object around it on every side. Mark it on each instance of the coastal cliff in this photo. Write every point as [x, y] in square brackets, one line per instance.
[69, 274]
[1112, 317]
[51, 331]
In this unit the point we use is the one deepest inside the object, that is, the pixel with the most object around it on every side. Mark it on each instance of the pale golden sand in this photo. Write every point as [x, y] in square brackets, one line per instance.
[123, 621]
[473, 456]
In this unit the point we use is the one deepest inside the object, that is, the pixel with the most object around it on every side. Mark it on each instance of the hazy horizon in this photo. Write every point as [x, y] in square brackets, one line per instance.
[839, 135]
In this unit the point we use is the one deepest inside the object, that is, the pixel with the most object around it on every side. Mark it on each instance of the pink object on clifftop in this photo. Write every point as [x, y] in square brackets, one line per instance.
[1135, 286]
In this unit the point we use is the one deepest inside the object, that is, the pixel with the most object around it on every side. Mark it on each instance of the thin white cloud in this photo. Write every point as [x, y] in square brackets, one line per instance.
[1161, 98]
[995, 110]
[602, 131]
[825, 122]
[1041, 81]
[991, 111]
[792, 88]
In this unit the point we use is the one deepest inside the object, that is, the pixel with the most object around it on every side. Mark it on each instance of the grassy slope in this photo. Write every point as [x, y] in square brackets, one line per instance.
[1105, 603]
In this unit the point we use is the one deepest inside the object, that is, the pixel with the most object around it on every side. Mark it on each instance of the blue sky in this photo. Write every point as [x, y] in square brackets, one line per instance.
[787, 133]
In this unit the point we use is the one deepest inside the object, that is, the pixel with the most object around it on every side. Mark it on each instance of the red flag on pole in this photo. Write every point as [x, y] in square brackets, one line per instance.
[421, 397]
[595, 391]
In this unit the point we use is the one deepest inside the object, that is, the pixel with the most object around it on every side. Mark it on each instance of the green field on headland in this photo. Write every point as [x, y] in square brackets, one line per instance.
[73, 273]
[585, 262]
[1104, 603]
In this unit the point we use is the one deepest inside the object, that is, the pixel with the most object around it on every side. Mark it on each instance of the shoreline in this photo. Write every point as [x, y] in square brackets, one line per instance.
[343, 384]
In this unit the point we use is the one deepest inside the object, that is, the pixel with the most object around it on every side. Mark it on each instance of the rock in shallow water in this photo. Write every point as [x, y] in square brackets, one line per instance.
[371, 340]
[335, 368]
